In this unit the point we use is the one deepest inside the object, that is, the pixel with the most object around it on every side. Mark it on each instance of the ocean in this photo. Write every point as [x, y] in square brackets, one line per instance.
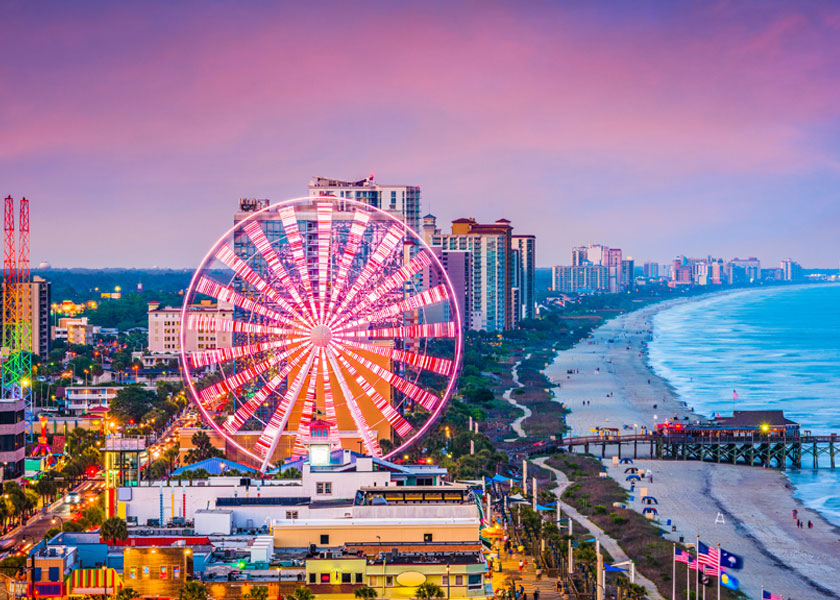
[779, 348]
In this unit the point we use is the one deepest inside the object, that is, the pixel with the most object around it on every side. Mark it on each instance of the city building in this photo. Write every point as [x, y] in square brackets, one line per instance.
[12, 430]
[81, 399]
[740, 271]
[74, 330]
[595, 255]
[525, 250]
[651, 270]
[165, 328]
[403, 201]
[490, 305]
[791, 270]
[580, 279]
[245, 500]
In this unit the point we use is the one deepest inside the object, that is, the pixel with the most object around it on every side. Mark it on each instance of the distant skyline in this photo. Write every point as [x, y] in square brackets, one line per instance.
[661, 128]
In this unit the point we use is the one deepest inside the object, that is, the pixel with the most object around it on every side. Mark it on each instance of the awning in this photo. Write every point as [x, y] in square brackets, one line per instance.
[94, 581]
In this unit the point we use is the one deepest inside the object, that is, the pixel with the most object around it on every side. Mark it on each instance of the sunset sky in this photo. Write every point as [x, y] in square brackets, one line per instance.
[662, 128]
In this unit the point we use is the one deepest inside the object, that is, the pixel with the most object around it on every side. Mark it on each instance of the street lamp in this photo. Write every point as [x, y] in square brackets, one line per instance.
[448, 580]
[384, 563]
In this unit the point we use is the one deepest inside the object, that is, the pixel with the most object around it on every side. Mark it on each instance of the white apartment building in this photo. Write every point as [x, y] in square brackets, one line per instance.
[165, 328]
[81, 399]
[403, 201]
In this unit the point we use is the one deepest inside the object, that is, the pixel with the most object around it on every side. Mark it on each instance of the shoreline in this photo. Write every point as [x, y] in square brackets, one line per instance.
[621, 388]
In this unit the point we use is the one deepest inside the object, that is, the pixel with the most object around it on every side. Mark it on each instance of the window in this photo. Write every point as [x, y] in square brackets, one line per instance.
[145, 571]
[459, 580]
[53, 574]
[132, 573]
[291, 514]
[325, 577]
[323, 488]
[474, 582]
[176, 572]
[358, 578]
[312, 578]
[389, 580]
[164, 572]
[325, 538]
[444, 580]
[427, 537]
[346, 578]
[36, 574]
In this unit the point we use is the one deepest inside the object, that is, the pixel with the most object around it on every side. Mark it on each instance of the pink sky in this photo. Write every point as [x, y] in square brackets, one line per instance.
[664, 129]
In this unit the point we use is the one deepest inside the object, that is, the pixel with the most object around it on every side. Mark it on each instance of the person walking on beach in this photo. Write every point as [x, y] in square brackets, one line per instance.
[810, 525]
[521, 566]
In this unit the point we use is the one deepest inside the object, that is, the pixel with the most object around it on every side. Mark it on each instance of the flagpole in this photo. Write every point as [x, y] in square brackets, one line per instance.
[720, 574]
[688, 577]
[697, 573]
[673, 573]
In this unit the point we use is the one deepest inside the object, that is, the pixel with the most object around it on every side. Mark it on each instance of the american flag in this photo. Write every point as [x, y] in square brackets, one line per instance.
[681, 556]
[765, 595]
[708, 555]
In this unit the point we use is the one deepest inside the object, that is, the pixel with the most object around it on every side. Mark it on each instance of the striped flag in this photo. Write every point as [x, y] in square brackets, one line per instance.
[708, 555]
[765, 595]
[681, 556]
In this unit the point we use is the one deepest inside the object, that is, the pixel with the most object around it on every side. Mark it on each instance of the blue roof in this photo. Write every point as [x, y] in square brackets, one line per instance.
[215, 466]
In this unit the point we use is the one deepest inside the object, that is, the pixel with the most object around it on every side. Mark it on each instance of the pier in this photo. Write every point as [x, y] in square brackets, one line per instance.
[777, 452]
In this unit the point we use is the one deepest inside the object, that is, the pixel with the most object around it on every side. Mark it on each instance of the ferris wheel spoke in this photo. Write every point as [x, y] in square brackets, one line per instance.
[441, 366]
[426, 330]
[288, 218]
[369, 439]
[396, 420]
[351, 248]
[247, 274]
[406, 272]
[263, 246]
[216, 356]
[267, 441]
[211, 323]
[226, 294]
[426, 298]
[383, 251]
[307, 411]
[426, 399]
[329, 401]
[246, 411]
[324, 213]
[212, 394]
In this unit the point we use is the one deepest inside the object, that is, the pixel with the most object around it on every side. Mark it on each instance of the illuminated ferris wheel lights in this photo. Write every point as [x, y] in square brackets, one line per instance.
[331, 323]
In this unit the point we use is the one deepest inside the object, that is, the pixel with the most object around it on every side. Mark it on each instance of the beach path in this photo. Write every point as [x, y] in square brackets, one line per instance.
[608, 543]
[508, 395]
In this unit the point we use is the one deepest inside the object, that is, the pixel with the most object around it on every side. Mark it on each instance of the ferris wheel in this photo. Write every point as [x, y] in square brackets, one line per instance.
[320, 310]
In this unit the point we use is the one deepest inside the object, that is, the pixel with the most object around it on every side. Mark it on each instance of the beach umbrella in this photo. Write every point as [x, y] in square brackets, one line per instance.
[650, 500]
[631, 470]
[632, 478]
[626, 461]
[649, 509]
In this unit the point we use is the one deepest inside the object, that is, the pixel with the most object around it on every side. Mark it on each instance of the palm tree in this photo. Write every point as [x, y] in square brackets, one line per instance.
[428, 590]
[303, 593]
[127, 594]
[194, 590]
[365, 593]
[113, 529]
[257, 592]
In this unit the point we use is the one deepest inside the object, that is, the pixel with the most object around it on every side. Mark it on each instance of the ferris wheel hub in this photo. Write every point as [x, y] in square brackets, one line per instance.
[320, 336]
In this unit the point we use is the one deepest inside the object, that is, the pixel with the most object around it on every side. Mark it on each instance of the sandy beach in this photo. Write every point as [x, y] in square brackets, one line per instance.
[620, 390]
